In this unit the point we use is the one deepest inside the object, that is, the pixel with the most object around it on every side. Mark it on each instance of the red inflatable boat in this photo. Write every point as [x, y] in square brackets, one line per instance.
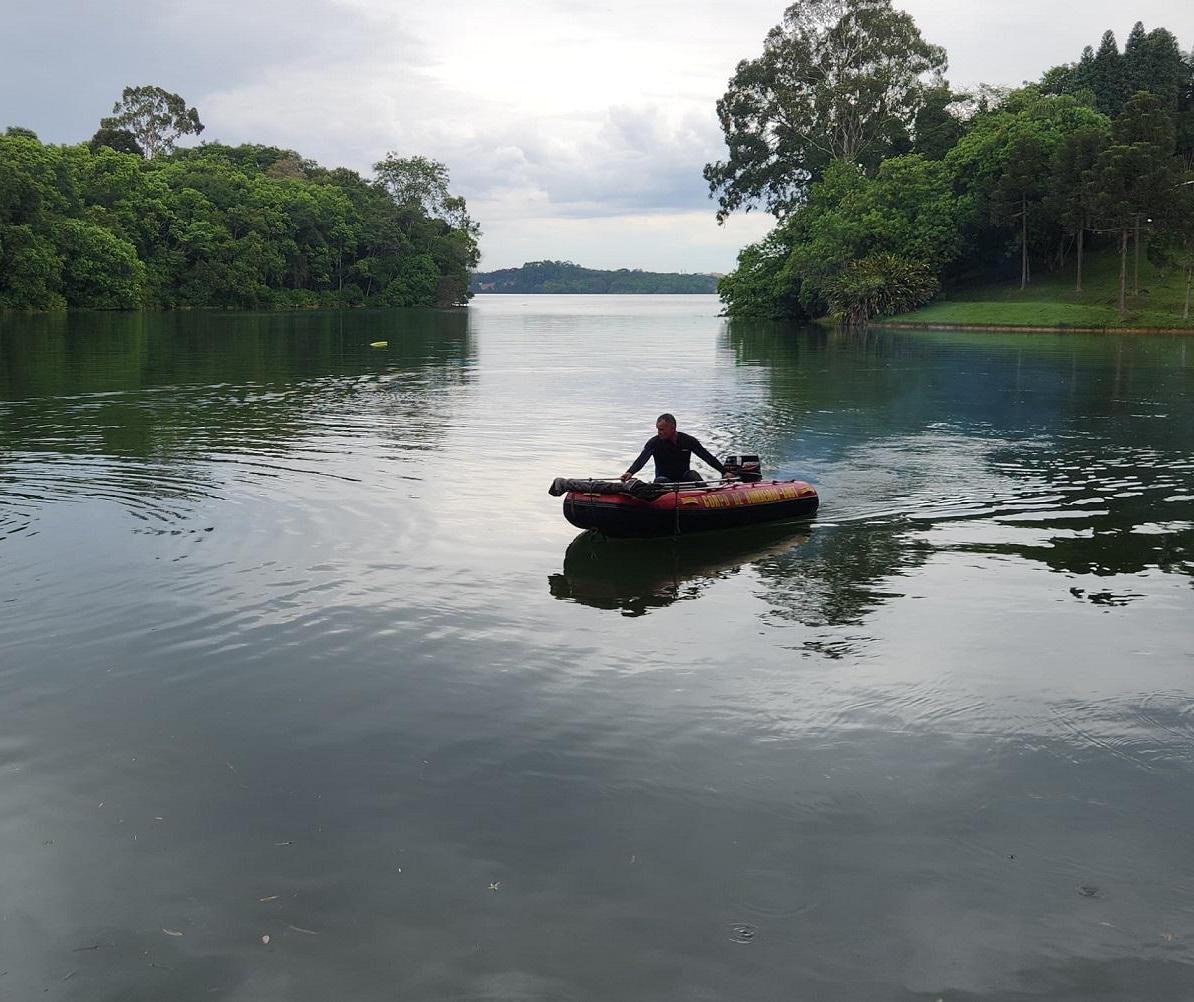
[641, 509]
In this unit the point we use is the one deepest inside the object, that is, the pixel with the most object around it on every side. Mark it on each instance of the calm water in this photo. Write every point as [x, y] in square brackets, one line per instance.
[295, 644]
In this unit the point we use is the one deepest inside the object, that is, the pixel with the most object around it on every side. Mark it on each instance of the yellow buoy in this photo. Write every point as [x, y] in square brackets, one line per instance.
[379, 344]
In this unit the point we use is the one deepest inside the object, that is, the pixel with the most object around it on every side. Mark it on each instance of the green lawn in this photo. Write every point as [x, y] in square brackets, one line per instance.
[1050, 300]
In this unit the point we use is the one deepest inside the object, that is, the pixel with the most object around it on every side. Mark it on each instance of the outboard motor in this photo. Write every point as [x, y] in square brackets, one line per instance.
[748, 469]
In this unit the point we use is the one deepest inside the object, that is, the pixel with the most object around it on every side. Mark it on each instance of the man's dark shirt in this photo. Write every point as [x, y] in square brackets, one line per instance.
[673, 460]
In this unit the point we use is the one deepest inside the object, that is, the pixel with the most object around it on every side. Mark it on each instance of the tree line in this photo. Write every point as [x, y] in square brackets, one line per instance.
[128, 220]
[887, 184]
[566, 277]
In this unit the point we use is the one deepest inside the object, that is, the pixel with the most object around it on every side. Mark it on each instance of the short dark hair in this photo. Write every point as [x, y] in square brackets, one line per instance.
[669, 418]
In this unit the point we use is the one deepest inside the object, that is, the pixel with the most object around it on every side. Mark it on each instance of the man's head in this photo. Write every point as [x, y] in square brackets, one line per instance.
[665, 424]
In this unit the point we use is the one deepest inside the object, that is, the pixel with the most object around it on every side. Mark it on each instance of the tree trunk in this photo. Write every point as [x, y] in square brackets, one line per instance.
[1136, 266]
[1189, 276]
[1123, 269]
[1023, 241]
[1078, 287]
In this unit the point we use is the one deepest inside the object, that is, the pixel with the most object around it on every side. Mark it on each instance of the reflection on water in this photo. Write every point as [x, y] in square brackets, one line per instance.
[278, 661]
[637, 575]
[156, 412]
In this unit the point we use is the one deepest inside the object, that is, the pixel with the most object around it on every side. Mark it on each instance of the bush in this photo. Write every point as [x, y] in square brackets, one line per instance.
[879, 285]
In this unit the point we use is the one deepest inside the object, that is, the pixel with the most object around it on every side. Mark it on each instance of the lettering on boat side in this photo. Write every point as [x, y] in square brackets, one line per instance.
[759, 495]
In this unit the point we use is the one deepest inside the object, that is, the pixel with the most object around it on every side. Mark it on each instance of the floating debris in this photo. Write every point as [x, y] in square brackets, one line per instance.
[269, 897]
[265, 939]
[171, 932]
[495, 885]
[299, 928]
[742, 932]
[379, 344]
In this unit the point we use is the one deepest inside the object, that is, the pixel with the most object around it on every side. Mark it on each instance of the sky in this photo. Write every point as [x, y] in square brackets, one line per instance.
[576, 130]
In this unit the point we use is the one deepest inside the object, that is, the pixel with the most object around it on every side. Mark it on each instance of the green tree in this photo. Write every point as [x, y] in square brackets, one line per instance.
[1070, 190]
[837, 80]
[1144, 120]
[1184, 117]
[1107, 76]
[154, 117]
[937, 127]
[100, 270]
[1127, 181]
[422, 183]
[982, 160]
[761, 285]
[1021, 186]
[30, 270]
[1175, 246]
[120, 140]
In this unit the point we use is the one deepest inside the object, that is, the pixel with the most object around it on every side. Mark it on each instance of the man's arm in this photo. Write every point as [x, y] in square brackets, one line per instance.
[707, 456]
[639, 463]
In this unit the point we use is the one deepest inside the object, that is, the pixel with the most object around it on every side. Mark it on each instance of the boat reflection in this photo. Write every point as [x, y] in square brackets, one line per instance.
[635, 576]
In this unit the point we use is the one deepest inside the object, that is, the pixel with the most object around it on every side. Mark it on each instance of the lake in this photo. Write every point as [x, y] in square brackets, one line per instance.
[309, 692]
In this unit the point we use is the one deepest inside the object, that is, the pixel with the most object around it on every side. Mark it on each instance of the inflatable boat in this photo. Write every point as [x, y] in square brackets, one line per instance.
[635, 508]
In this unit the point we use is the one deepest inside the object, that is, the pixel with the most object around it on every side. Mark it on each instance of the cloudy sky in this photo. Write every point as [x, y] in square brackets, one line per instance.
[576, 129]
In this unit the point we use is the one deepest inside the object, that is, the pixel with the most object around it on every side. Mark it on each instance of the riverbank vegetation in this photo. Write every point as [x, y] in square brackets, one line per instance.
[1050, 300]
[891, 189]
[128, 220]
[566, 277]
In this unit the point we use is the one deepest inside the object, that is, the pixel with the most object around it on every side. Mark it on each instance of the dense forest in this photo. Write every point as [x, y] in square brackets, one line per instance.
[566, 277]
[128, 220]
[889, 186]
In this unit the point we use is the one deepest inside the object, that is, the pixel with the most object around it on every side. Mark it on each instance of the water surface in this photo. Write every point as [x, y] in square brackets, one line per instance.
[295, 644]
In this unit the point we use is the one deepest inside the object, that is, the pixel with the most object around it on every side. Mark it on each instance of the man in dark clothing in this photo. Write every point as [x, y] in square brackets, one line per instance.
[672, 451]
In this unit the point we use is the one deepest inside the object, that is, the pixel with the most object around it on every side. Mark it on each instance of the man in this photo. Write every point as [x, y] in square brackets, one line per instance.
[672, 451]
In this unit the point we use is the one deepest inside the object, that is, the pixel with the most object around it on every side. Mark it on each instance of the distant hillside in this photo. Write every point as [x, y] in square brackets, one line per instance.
[566, 277]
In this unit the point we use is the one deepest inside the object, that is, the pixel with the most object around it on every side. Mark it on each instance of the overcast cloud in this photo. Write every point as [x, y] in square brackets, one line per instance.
[575, 129]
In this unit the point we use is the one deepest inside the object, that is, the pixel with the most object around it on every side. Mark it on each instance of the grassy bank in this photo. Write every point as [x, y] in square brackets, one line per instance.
[1050, 300]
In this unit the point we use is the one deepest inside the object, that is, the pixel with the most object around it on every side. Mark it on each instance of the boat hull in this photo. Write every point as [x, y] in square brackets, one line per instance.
[692, 509]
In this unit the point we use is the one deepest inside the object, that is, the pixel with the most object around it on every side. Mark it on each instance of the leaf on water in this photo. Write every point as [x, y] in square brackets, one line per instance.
[379, 344]
[171, 932]
[299, 928]
[269, 897]
[283, 843]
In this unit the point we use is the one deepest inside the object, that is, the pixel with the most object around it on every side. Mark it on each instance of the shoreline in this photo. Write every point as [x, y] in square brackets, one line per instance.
[1030, 328]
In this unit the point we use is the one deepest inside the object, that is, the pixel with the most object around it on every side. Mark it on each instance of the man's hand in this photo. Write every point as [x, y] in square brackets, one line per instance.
[625, 476]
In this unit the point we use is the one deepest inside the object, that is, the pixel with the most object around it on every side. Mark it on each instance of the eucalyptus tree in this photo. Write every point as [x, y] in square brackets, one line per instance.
[154, 117]
[837, 80]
